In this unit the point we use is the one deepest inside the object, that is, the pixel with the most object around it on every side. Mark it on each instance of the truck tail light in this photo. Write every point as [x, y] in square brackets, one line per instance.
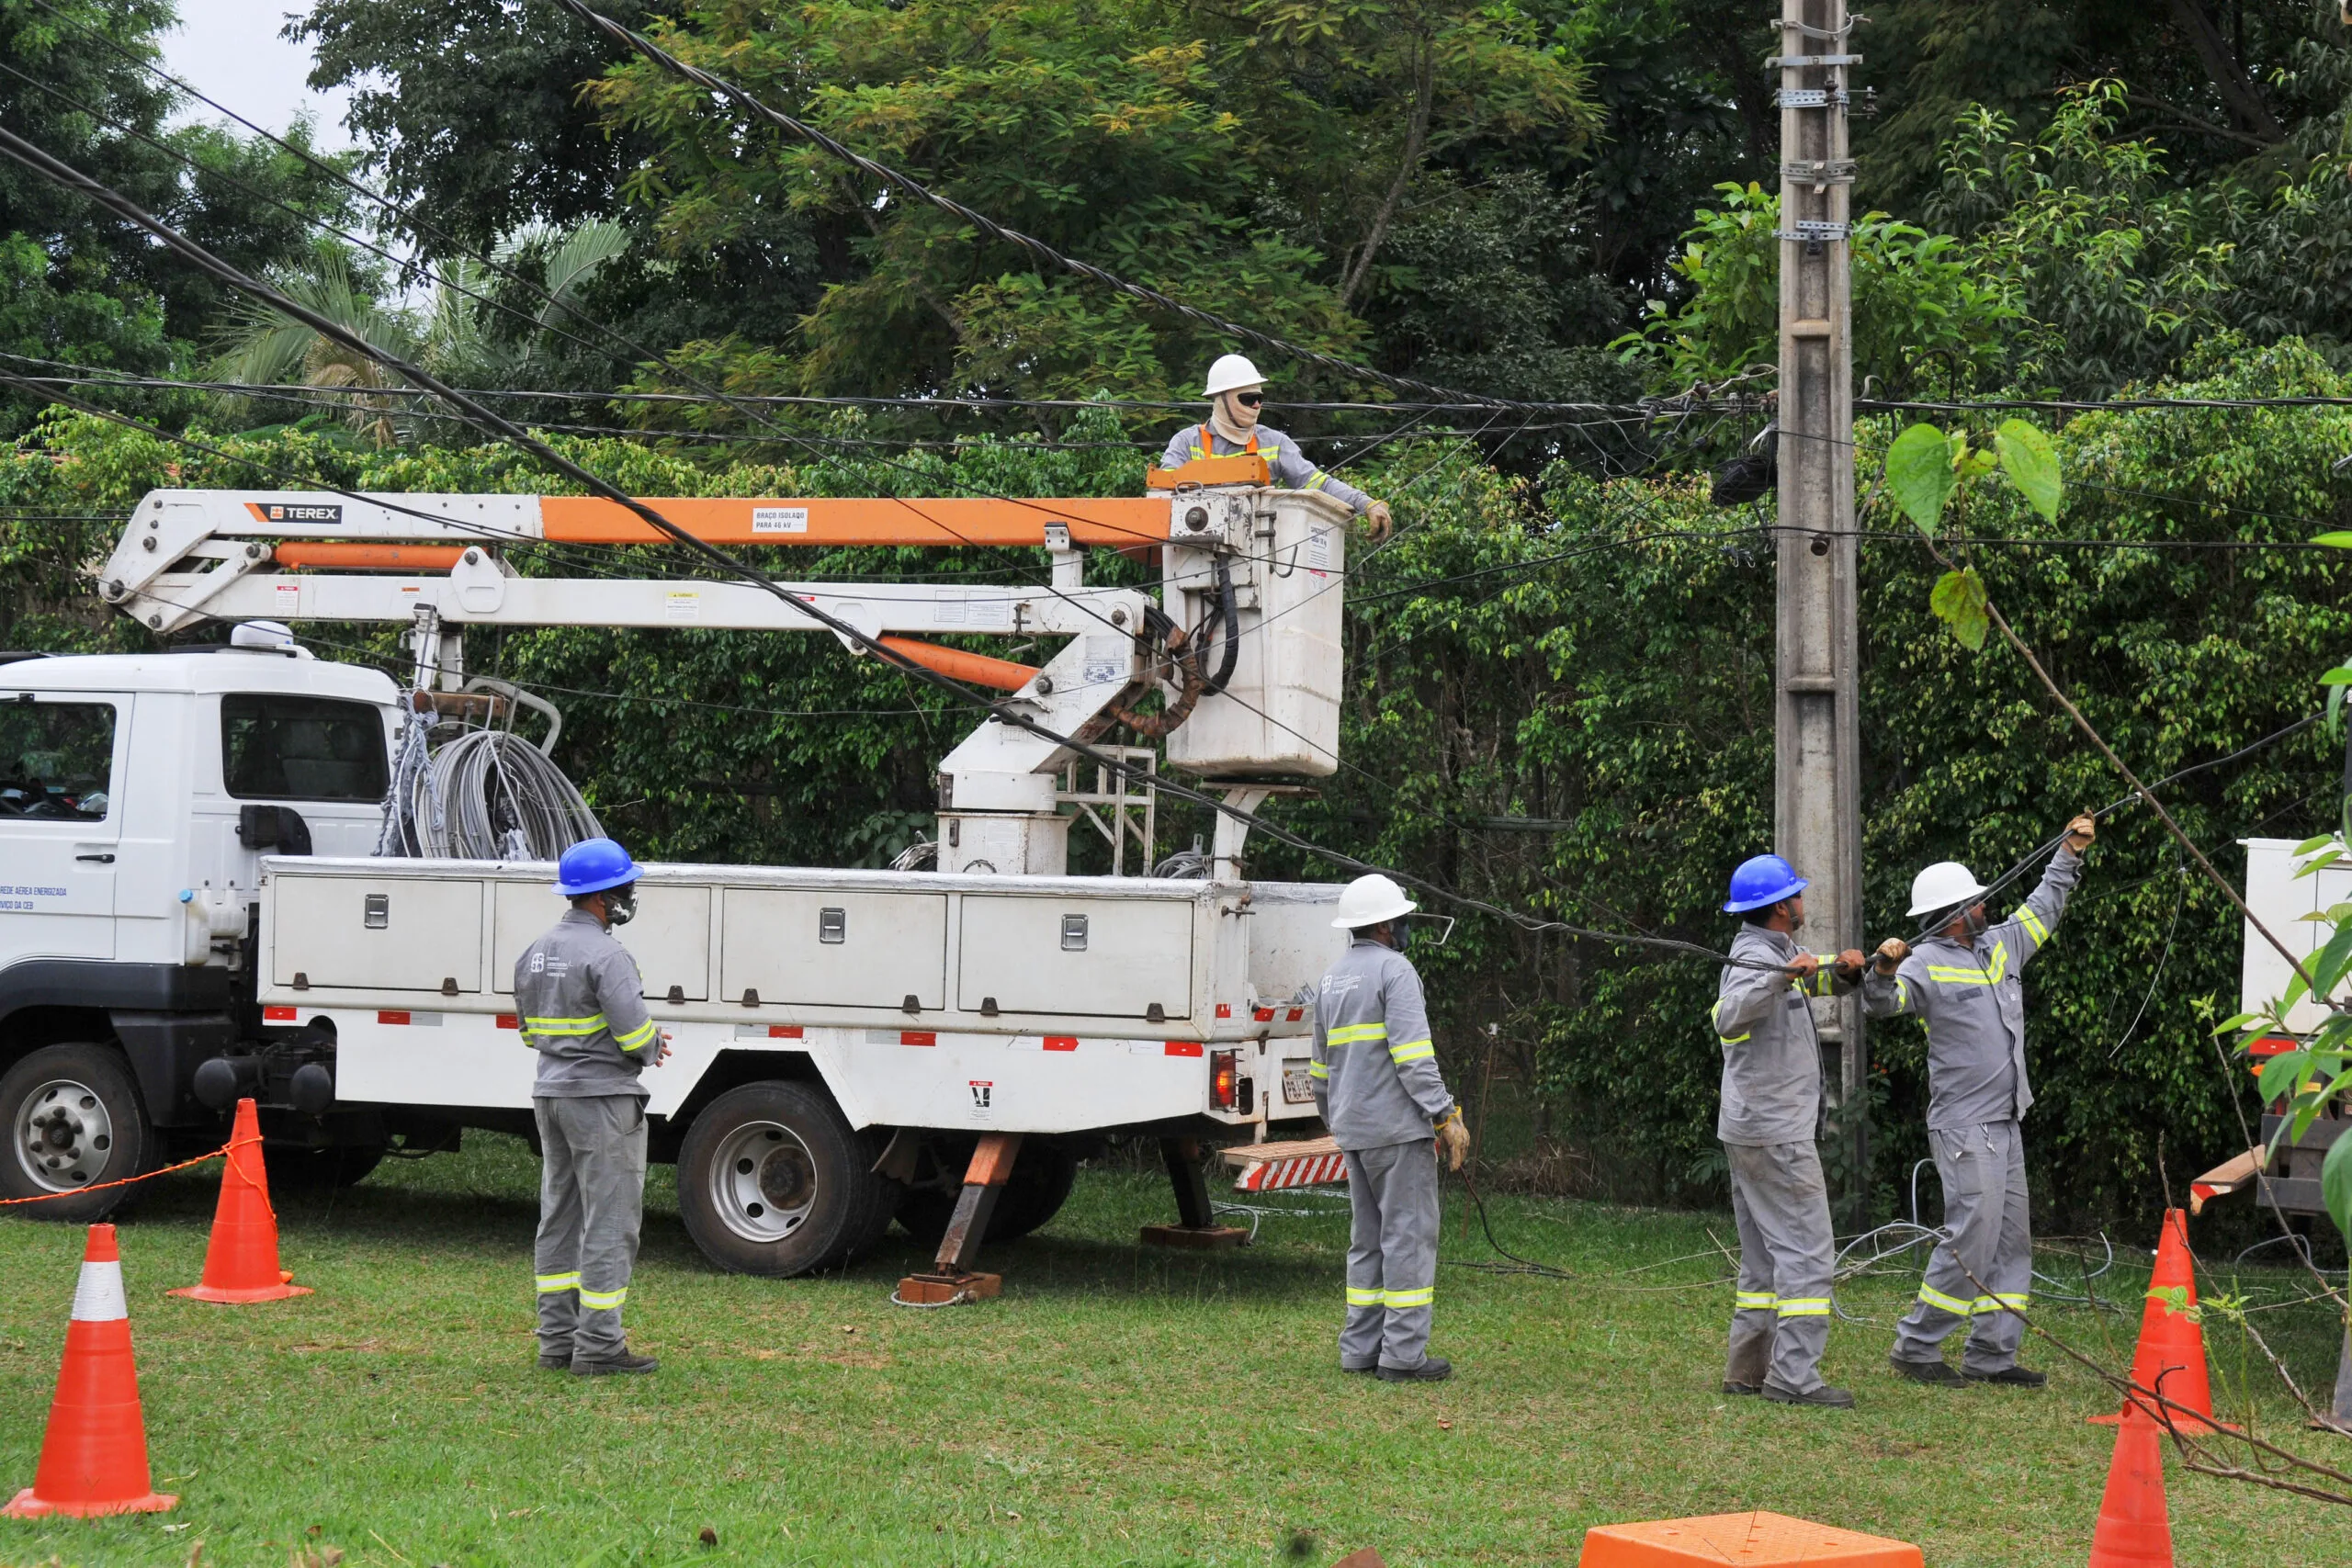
[1225, 1079]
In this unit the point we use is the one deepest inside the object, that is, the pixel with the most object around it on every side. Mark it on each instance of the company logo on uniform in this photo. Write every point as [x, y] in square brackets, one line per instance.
[980, 1091]
[538, 962]
[293, 512]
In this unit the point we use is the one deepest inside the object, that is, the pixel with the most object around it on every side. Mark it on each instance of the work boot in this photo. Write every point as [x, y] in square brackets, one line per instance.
[1926, 1371]
[1363, 1371]
[555, 1361]
[1826, 1397]
[1434, 1368]
[1730, 1386]
[2008, 1377]
[621, 1364]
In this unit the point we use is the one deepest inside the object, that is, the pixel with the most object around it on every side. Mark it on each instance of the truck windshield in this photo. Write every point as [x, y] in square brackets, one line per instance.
[56, 760]
[275, 747]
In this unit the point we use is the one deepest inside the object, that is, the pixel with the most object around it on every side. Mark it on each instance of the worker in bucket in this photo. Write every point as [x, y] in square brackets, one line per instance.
[1235, 393]
[1378, 1089]
[1769, 1123]
[583, 1008]
[1965, 982]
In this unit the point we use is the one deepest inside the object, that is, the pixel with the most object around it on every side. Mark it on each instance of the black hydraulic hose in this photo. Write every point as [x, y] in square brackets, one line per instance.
[1228, 605]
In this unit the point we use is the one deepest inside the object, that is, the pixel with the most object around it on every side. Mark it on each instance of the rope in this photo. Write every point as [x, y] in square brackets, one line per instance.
[217, 1154]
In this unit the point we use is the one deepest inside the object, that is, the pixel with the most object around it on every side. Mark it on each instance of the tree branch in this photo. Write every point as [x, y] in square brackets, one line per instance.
[1416, 137]
[2228, 77]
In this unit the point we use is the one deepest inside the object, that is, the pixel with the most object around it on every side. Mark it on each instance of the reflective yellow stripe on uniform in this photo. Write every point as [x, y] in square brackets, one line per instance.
[1902, 995]
[564, 1025]
[2018, 1300]
[1952, 1304]
[637, 1039]
[603, 1301]
[1988, 975]
[1754, 1301]
[1358, 1297]
[1412, 1051]
[1352, 1034]
[1825, 978]
[1400, 1300]
[1317, 1070]
[551, 1284]
[2033, 923]
[1804, 1306]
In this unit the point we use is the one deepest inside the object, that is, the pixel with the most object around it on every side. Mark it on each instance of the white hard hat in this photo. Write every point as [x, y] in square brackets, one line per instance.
[1230, 373]
[1947, 884]
[1369, 900]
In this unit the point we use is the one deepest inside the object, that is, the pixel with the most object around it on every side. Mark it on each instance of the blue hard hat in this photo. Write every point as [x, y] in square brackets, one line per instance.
[1766, 879]
[592, 866]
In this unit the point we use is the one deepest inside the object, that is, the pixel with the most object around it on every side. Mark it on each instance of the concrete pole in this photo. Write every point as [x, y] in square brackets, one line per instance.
[1817, 793]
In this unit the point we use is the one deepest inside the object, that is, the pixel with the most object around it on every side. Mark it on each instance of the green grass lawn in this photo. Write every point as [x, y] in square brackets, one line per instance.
[1116, 1406]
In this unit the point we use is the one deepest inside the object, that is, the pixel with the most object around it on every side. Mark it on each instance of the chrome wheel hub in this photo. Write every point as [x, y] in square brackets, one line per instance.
[64, 1136]
[763, 1181]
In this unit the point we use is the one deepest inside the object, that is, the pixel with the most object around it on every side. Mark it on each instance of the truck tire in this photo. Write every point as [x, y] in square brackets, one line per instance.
[773, 1180]
[74, 1121]
[1033, 1195]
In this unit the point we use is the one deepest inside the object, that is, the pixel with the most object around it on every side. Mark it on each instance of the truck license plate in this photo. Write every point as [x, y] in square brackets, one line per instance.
[1299, 1088]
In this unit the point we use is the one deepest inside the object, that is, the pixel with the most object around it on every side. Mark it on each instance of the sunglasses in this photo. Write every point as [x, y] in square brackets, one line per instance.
[1249, 399]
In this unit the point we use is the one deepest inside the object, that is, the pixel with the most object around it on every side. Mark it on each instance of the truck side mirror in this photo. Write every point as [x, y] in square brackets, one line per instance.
[278, 827]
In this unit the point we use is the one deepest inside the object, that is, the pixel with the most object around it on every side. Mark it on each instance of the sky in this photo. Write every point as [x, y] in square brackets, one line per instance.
[230, 50]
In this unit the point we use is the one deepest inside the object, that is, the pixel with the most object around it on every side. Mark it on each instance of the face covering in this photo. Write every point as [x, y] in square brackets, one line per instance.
[620, 905]
[1224, 424]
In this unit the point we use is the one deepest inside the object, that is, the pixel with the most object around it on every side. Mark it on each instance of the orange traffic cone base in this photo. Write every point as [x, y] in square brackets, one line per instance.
[237, 1298]
[27, 1506]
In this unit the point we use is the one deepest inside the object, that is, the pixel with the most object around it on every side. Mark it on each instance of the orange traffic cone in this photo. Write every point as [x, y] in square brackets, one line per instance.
[2134, 1531]
[2171, 1356]
[240, 1264]
[93, 1456]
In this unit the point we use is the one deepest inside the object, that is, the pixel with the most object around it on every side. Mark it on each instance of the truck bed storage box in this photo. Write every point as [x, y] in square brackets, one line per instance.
[379, 933]
[828, 947]
[1096, 956]
[670, 939]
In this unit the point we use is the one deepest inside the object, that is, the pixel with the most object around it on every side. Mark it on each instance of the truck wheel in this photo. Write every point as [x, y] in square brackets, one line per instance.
[1033, 1194]
[74, 1121]
[773, 1179]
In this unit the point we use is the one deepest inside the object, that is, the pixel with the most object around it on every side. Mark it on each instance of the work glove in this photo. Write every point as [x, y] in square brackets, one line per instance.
[2081, 832]
[1455, 1138]
[1376, 522]
[1890, 951]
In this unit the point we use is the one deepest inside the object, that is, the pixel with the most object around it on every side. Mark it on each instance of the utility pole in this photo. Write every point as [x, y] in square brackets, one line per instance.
[1816, 729]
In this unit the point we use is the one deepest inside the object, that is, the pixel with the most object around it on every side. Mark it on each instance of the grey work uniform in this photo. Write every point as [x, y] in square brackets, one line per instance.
[1772, 1113]
[581, 1006]
[1290, 468]
[1377, 1087]
[1972, 1000]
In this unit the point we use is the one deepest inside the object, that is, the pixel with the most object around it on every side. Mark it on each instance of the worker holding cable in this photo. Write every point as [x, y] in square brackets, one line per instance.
[1965, 982]
[1768, 1125]
[1378, 1089]
[1235, 393]
[581, 1006]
